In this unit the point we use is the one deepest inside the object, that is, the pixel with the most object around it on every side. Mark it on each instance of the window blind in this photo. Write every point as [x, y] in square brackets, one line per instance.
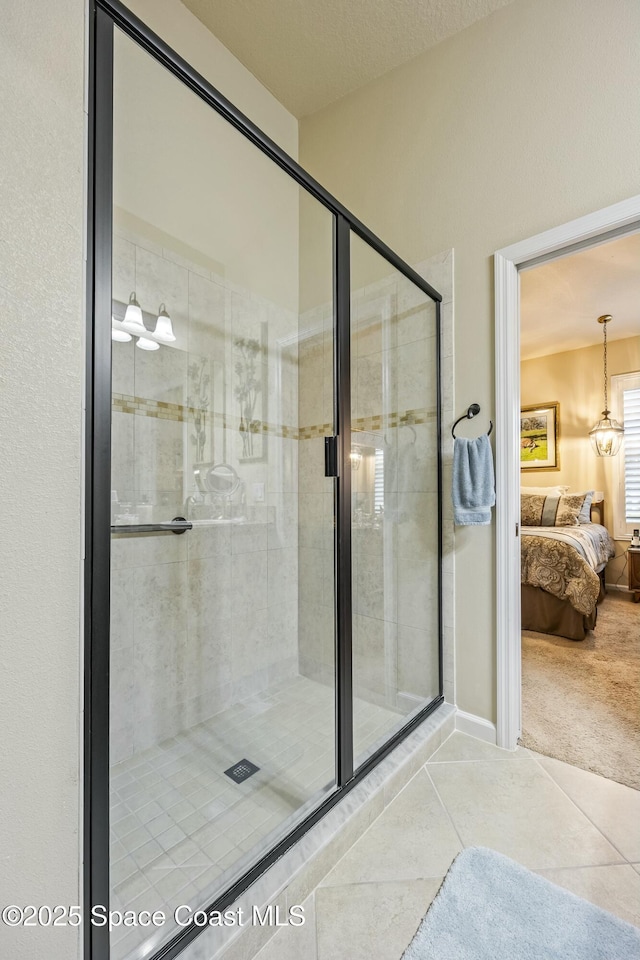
[631, 420]
[378, 481]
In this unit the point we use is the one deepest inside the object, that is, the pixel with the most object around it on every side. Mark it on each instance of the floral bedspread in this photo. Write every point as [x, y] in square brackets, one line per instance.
[561, 570]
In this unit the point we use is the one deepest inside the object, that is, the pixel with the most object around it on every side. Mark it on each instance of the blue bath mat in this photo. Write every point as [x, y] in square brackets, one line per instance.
[490, 908]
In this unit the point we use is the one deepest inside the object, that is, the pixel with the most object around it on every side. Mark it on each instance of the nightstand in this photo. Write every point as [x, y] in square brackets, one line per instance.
[633, 556]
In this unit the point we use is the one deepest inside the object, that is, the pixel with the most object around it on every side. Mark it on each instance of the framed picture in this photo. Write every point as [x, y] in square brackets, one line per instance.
[539, 437]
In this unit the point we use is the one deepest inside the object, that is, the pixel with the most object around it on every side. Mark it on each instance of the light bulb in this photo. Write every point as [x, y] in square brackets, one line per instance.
[164, 329]
[133, 318]
[606, 436]
[117, 333]
[145, 344]
[355, 457]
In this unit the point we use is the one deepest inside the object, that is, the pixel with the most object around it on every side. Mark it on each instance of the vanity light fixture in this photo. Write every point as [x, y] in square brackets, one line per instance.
[164, 329]
[118, 333]
[145, 344]
[133, 322]
[606, 435]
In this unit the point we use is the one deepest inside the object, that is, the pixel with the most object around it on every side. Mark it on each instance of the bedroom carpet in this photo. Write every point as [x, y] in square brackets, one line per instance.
[581, 698]
[491, 907]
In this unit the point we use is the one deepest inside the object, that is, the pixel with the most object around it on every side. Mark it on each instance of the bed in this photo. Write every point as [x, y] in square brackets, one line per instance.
[563, 574]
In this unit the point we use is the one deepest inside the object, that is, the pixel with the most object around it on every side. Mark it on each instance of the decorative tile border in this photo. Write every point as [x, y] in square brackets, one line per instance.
[122, 403]
[318, 430]
[408, 418]
[163, 410]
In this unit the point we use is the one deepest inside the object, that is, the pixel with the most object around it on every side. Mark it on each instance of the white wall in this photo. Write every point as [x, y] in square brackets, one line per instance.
[42, 159]
[42, 362]
[189, 173]
[525, 120]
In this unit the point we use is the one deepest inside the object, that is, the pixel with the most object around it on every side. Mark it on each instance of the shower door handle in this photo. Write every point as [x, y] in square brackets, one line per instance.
[177, 525]
[331, 456]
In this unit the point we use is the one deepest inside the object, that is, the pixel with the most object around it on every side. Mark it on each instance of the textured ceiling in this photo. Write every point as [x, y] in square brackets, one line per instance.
[312, 52]
[560, 301]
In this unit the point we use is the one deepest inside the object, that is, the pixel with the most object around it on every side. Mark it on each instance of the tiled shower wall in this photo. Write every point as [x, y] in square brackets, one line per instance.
[204, 619]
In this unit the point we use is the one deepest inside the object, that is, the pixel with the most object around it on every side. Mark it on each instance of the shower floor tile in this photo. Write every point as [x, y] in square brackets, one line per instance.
[181, 830]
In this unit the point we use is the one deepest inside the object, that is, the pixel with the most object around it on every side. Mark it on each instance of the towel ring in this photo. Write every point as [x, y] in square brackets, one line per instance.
[472, 412]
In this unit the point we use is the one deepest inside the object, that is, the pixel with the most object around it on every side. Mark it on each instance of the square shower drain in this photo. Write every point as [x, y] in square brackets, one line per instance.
[241, 770]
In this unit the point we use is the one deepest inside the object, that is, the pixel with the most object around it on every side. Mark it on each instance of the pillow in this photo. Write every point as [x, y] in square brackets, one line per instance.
[585, 512]
[557, 490]
[553, 511]
[531, 509]
[571, 508]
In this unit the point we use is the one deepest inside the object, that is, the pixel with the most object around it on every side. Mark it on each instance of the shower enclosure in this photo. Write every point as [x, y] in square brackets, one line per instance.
[263, 498]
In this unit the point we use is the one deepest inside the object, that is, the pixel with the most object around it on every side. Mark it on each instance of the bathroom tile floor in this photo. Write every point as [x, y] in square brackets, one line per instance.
[181, 829]
[575, 828]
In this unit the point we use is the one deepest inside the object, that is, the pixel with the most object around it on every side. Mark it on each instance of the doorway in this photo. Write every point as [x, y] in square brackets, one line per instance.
[580, 672]
[617, 220]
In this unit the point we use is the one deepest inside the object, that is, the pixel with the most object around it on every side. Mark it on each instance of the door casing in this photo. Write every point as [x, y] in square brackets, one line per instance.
[593, 229]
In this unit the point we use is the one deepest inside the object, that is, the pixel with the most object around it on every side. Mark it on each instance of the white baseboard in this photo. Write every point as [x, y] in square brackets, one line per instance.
[475, 726]
[617, 586]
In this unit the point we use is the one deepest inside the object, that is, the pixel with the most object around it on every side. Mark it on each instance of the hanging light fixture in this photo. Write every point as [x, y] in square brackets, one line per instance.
[606, 435]
[355, 457]
[145, 344]
[133, 318]
[164, 329]
[118, 333]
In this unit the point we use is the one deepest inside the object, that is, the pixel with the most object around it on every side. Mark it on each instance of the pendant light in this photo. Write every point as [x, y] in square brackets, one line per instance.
[118, 333]
[133, 318]
[164, 329]
[606, 435]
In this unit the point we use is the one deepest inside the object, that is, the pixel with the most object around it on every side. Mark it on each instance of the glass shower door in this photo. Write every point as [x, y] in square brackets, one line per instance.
[394, 483]
[222, 602]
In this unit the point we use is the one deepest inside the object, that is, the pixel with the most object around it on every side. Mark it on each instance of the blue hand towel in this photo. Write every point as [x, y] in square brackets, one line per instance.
[473, 481]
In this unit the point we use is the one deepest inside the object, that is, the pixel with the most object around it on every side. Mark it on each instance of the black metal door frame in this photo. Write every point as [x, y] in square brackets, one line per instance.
[104, 15]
